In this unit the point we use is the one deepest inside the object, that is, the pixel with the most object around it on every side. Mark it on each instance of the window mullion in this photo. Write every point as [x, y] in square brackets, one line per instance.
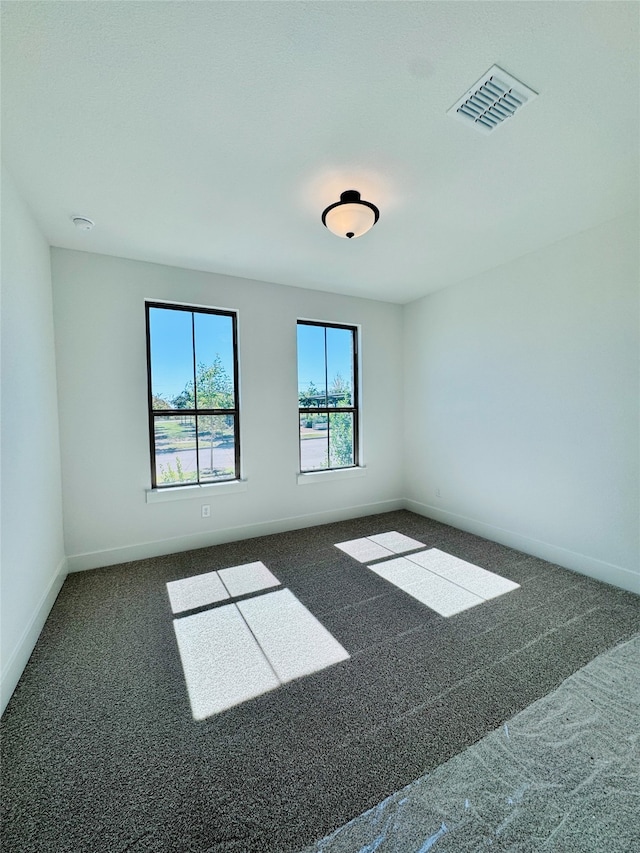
[355, 402]
[195, 394]
[236, 398]
[326, 391]
[152, 420]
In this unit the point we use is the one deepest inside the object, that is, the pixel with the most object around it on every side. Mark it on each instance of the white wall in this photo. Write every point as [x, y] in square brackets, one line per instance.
[33, 565]
[521, 403]
[100, 341]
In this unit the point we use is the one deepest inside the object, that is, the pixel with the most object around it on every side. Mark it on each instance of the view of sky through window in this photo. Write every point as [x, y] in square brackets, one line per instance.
[313, 369]
[172, 347]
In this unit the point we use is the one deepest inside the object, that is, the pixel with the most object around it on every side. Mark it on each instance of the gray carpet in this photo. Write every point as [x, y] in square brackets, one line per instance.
[562, 775]
[100, 751]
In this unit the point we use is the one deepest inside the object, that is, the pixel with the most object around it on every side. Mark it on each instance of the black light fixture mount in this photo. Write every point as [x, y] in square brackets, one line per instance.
[351, 216]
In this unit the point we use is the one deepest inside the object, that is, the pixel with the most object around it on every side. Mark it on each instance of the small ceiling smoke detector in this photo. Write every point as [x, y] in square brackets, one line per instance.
[82, 223]
[496, 97]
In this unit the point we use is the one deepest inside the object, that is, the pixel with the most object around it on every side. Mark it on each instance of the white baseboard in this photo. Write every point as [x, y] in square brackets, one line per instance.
[144, 550]
[597, 569]
[22, 652]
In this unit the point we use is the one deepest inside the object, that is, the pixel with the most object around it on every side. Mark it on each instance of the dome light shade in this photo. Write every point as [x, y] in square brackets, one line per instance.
[350, 217]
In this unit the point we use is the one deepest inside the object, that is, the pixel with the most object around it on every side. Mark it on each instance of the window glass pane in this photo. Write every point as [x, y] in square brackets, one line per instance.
[340, 366]
[311, 366]
[171, 355]
[192, 366]
[341, 439]
[216, 447]
[175, 445]
[214, 361]
[314, 442]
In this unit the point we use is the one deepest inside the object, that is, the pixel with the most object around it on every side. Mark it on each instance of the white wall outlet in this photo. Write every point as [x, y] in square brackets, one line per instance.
[438, 495]
[206, 511]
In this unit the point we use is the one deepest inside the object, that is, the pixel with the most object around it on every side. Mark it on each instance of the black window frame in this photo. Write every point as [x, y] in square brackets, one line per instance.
[353, 409]
[196, 412]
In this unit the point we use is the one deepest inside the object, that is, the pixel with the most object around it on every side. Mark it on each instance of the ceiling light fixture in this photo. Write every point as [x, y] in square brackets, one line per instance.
[350, 217]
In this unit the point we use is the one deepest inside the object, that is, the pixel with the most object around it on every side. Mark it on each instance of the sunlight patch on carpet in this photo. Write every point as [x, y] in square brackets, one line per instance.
[363, 550]
[250, 577]
[223, 665]
[479, 581]
[437, 593]
[237, 651]
[442, 582]
[396, 542]
[378, 546]
[291, 637]
[188, 593]
[209, 588]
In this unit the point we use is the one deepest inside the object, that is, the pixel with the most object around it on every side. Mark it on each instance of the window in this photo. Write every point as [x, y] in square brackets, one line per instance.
[327, 396]
[193, 395]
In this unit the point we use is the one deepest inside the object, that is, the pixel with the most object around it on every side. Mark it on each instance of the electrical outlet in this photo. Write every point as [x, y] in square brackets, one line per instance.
[206, 511]
[438, 495]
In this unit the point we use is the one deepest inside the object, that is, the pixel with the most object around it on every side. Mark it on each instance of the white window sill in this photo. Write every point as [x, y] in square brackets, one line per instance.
[210, 490]
[328, 476]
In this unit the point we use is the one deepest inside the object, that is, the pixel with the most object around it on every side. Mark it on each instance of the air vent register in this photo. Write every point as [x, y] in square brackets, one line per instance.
[496, 97]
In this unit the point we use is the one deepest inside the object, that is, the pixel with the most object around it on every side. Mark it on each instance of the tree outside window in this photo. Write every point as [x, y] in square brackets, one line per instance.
[193, 407]
[327, 396]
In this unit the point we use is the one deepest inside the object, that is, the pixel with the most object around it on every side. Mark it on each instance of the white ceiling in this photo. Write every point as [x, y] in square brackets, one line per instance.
[211, 135]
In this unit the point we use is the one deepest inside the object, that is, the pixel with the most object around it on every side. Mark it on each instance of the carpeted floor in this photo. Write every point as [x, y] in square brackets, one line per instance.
[100, 751]
[563, 775]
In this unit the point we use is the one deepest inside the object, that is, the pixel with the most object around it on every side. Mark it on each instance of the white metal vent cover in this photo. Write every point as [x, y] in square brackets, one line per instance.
[496, 97]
